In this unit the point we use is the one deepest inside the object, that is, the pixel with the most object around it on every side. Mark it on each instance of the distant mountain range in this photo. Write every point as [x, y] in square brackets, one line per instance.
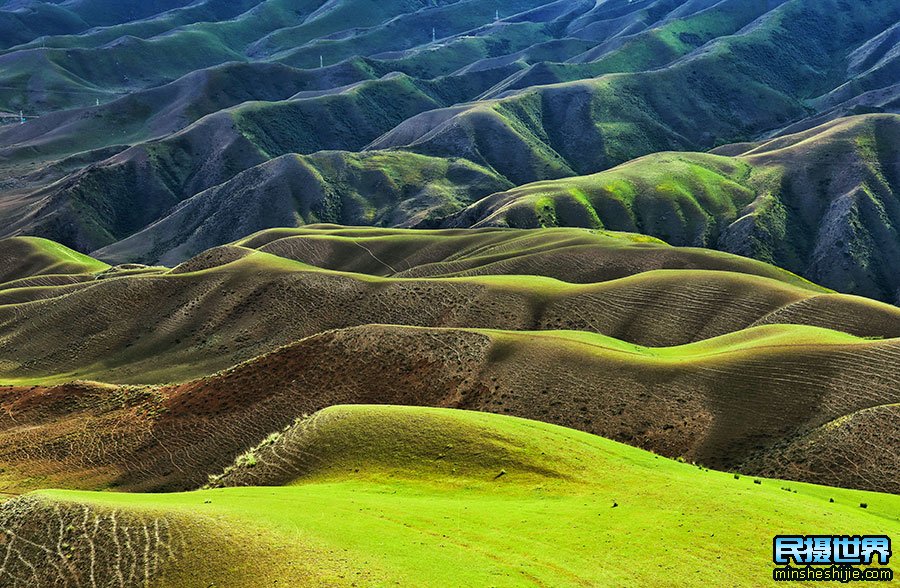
[156, 130]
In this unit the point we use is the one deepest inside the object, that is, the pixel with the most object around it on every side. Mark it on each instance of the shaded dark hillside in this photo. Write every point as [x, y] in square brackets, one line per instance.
[373, 187]
[21, 22]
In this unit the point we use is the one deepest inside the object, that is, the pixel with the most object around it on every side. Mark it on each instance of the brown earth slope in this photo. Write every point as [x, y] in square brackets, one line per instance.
[230, 305]
[762, 395]
[759, 401]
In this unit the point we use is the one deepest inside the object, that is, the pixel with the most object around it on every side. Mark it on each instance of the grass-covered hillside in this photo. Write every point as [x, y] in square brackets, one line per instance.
[230, 304]
[33, 257]
[168, 129]
[822, 202]
[732, 87]
[796, 402]
[384, 188]
[444, 292]
[687, 352]
[391, 495]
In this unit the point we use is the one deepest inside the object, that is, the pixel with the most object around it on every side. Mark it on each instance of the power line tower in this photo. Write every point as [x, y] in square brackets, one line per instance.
[497, 15]
[433, 35]
[21, 118]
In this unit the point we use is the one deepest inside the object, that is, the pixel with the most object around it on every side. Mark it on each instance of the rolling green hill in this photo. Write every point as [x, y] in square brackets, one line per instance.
[765, 399]
[158, 46]
[231, 304]
[402, 495]
[27, 257]
[821, 203]
[685, 352]
[562, 89]
[570, 255]
[21, 22]
[733, 87]
[444, 292]
[390, 187]
[90, 209]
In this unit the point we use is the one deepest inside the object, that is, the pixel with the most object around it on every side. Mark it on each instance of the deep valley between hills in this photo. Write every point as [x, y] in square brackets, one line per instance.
[445, 292]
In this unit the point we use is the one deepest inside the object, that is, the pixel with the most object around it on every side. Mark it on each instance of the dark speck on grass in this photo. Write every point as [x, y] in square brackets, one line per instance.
[863, 505]
[502, 473]
[757, 481]
[615, 504]
[831, 500]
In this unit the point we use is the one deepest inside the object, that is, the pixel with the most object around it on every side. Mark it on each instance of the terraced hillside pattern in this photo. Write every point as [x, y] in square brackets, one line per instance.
[445, 292]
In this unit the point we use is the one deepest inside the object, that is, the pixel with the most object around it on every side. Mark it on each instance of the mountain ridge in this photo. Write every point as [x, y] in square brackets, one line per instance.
[546, 105]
